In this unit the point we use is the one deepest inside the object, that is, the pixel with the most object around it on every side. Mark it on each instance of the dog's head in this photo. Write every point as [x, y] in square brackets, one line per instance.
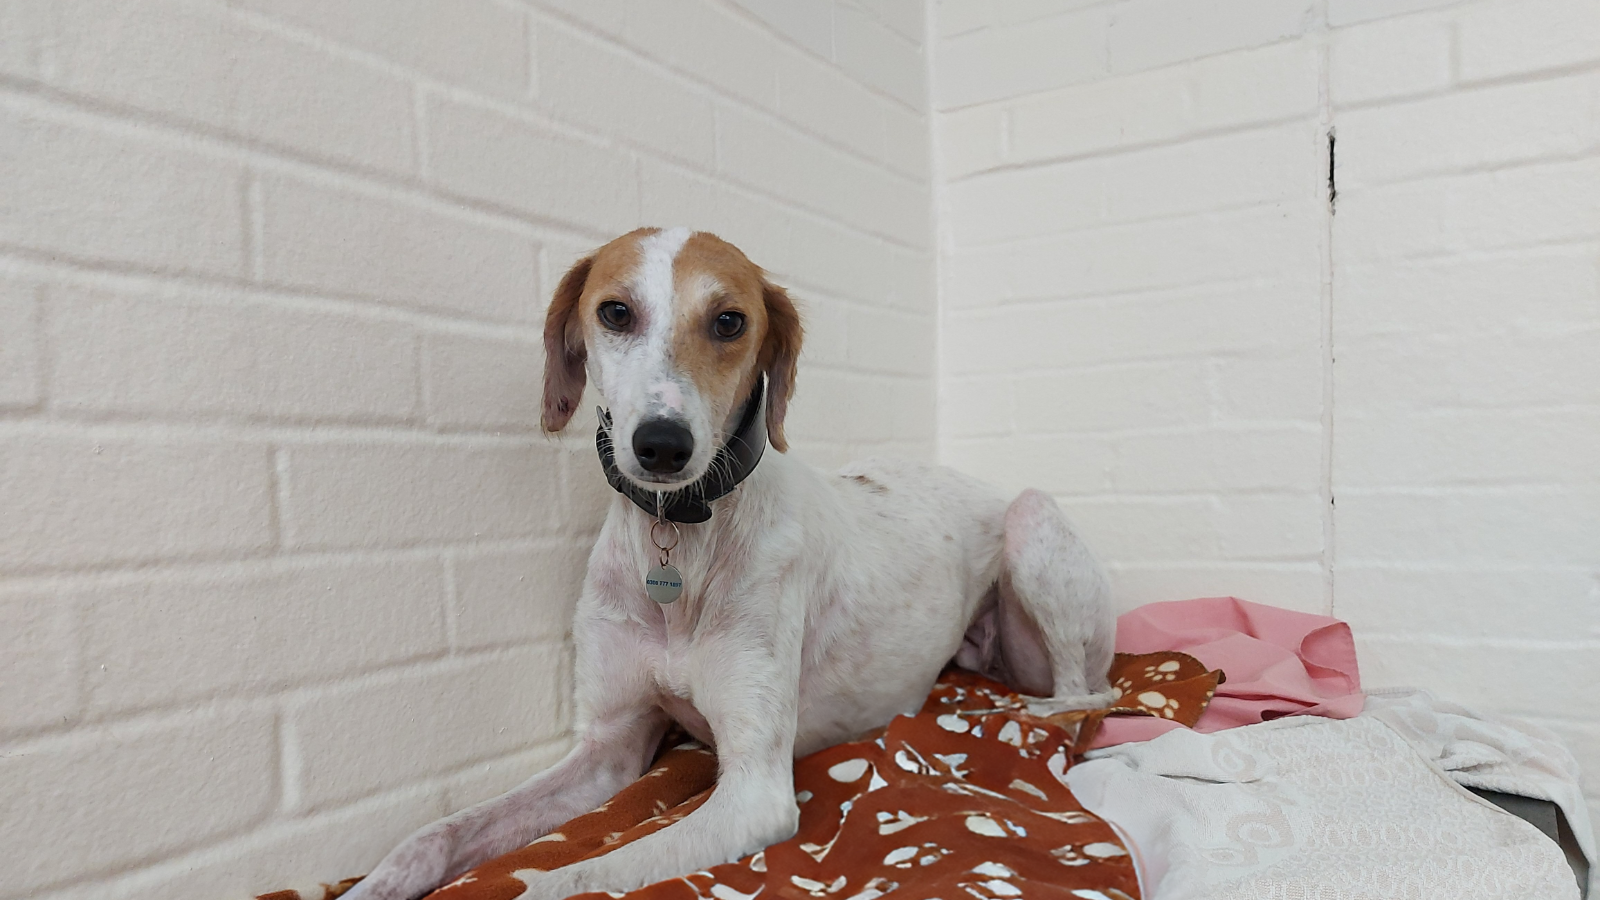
[675, 327]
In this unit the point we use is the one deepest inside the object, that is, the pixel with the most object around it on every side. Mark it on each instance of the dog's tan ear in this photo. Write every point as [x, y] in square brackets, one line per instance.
[564, 352]
[780, 355]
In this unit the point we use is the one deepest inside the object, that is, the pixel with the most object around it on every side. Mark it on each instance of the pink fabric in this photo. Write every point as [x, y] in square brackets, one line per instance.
[1278, 663]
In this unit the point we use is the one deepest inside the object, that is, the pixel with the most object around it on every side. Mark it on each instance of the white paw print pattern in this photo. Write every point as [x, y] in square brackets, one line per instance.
[816, 888]
[874, 889]
[1088, 853]
[997, 884]
[1167, 671]
[1120, 688]
[925, 854]
[1159, 703]
[891, 824]
[849, 770]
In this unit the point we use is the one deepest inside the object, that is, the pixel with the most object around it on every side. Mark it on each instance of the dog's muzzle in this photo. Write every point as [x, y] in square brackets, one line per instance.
[690, 504]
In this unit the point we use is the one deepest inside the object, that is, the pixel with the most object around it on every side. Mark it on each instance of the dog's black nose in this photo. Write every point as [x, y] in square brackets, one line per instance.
[662, 446]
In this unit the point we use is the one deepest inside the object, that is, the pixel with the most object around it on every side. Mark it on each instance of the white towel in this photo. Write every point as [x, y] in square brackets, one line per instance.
[1305, 807]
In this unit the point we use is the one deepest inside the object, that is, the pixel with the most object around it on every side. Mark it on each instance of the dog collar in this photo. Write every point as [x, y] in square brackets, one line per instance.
[691, 505]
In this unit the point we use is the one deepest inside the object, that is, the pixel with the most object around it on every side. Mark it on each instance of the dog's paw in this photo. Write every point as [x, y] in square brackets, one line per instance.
[1049, 706]
[557, 884]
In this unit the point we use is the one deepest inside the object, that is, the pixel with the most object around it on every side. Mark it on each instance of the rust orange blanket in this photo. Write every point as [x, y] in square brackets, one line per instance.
[964, 799]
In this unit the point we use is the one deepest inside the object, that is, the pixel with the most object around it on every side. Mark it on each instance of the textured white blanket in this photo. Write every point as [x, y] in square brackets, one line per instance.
[1369, 807]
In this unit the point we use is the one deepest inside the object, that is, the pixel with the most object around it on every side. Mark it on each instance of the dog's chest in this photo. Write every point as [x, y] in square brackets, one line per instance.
[673, 670]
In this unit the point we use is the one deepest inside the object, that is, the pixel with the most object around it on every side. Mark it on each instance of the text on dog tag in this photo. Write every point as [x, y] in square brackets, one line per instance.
[664, 584]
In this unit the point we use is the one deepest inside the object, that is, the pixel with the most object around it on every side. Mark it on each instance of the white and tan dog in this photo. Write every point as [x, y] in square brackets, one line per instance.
[814, 607]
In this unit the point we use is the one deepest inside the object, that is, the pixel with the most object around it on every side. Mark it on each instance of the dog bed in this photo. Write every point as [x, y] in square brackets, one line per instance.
[964, 799]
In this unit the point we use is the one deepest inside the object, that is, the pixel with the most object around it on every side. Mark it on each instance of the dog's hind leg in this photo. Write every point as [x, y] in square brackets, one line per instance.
[1053, 616]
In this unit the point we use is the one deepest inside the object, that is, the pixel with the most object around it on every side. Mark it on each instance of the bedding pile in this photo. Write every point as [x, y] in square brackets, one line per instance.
[1312, 807]
[1294, 783]
[1242, 760]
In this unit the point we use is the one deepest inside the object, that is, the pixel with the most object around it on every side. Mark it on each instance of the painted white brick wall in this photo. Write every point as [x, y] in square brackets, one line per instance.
[286, 569]
[1390, 412]
[269, 356]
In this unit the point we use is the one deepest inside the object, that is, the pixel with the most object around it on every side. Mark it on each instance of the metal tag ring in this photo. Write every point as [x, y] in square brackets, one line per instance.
[676, 535]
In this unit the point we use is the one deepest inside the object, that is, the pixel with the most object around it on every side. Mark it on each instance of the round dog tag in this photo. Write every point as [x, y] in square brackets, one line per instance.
[664, 584]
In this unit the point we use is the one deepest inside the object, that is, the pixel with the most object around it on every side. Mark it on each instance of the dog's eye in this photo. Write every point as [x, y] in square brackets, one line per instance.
[728, 326]
[615, 316]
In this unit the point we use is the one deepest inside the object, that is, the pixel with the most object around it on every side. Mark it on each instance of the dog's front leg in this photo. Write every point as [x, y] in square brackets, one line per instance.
[749, 699]
[611, 754]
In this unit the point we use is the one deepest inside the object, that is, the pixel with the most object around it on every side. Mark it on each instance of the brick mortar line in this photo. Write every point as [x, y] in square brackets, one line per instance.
[285, 561]
[938, 192]
[1241, 427]
[274, 692]
[451, 604]
[1424, 256]
[251, 227]
[1553, 247]
[291, 766]
[44, 362]
[1185, 359]
[413, 429]
[1184, 497]
[278, 497]
[1327, 324]
[274, 698]
[1212, 564]
[143, 862]
[1519, 409]
[1508, 485]
[1498, 250]
[1032, 240]
[1568, 329]
[1589, 154]
[421, 139]
[1111, 76]
[1125, 297]
[1581, 645]
[293, 432]
[753, 19]
[1476, 567]
[197, 288]
[134, 566]
[1520, 487]
[1133, 147]
[1458, 87]
[422, 407]
[1258, 561]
